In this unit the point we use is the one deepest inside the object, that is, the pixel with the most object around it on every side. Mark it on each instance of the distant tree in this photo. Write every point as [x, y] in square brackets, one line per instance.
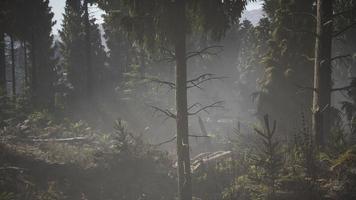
[71, 46]
[2, 49]
[2, 64]
[88, 50]
[13, 67]
[42, 54]
[82, 50]
[98, 58]
[286, 65]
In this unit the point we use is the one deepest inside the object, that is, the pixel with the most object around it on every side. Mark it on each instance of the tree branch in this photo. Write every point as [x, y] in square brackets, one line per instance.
[161, 82]
[344, 29]
[165, 142]
[340, 57]
[343, 88]
[199, 136]
[205, 108]
[196, 82]
[164, 111]
[204, 51]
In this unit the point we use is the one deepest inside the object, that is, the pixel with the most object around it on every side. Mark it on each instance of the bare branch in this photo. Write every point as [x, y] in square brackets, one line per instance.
[196, 82]
[199, 136]
[161, 82]
[204, 51]
[202, 76]
[194, 105]
[205, 108]
[341, 57]
[344, 29]
[164, 111]
[165, 142]
[343, 88]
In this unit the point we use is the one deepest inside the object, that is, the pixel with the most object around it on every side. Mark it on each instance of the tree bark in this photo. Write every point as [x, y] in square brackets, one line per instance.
[2, 65]
[184, 170]
[88, 51]
[322, 72]
[13, 72]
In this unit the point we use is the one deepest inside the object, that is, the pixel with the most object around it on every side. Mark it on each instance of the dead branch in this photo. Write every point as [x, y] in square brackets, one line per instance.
[340, 57]
[205, 108]
[164, 111]
[343, 88]
[194, 105]
[165, 142]
[196, 82]
[199, 136]
[204, 51]
[202, 76]
[161, 82]
[344, 29]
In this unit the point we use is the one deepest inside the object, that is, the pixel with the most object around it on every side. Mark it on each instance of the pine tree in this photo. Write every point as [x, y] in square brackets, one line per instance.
[154, 23]
[72, 44]
[42, 54]
[82, 50]
[287, 67]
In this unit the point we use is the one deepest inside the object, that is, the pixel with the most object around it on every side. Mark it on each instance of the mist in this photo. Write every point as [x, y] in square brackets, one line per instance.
[184, 99]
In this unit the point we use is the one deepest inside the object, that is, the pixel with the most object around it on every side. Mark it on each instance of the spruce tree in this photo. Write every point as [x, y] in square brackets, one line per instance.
[72, 45]
[156, 23]
[42, 54]
[288, 68]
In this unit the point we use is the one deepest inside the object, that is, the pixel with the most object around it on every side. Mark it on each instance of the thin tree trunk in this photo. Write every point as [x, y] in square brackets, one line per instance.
[207, 142]
[2, 65]
[184, 171]
[322, 72]
[13, 75]
[33, 71]
[25, 62]
[88, 51]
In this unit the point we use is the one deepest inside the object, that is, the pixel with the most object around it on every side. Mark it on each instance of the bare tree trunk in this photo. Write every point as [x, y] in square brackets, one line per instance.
[25, 62]
[13, 75]
[88, 51]
[2, 65]
[33, 70]
[207, 142]
[322, 72]
[184, 171]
